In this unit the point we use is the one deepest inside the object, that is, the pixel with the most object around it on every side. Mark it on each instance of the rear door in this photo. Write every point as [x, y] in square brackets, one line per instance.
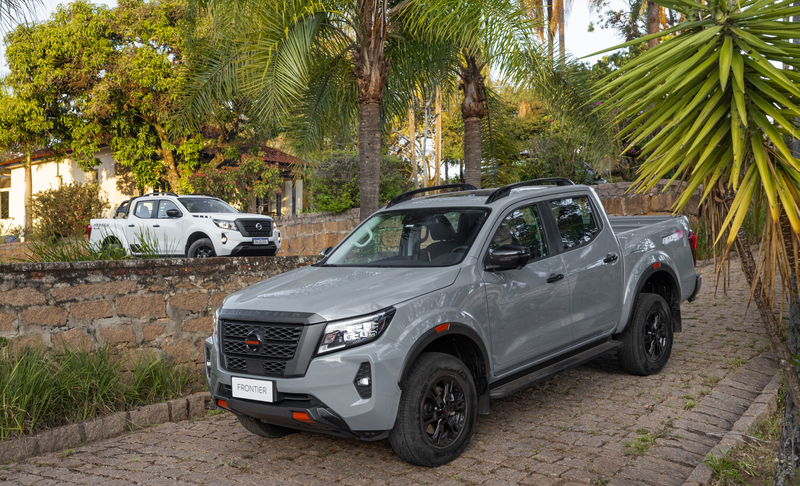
[593, 265]
[139, 230]
[528, 307]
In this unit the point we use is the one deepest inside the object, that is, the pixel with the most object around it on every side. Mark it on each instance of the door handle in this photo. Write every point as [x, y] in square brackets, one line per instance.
[156, 226]
[554, 278]
[610, 258]
[130, 226]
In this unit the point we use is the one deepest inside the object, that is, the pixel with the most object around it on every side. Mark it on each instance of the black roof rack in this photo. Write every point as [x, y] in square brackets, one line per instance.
[202, 194]
[406, 196]
[160, 193]
[506, 190]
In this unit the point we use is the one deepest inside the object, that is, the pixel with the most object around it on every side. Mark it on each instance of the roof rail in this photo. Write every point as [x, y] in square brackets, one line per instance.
[406, 196]
[160, 193]
[203, 194]
[506, 190]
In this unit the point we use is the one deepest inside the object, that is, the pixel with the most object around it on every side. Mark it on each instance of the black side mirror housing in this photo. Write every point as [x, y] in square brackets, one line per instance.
[508, 257]
[326, 251]
[173, 213]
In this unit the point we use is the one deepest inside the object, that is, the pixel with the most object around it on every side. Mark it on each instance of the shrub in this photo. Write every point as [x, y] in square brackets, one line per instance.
[252, 176]
[334, 183]
[66, 211]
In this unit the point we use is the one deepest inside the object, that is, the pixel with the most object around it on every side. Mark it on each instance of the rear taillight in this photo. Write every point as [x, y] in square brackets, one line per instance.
[693, 246]
[89, 231]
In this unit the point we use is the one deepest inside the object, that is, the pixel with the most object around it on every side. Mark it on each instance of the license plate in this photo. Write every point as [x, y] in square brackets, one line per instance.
[260, 241]
[261, 390]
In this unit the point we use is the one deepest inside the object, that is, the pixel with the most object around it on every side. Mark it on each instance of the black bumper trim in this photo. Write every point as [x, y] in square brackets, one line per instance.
[326, 421]
[249, 249]
[697, 284]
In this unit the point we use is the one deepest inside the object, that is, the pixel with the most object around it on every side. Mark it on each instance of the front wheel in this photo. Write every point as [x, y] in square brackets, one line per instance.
[437, 412]
[202, 248]
[647, 341]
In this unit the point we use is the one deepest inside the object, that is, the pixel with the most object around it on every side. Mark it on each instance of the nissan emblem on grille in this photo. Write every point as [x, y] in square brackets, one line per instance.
[259, 227]
[252, 341]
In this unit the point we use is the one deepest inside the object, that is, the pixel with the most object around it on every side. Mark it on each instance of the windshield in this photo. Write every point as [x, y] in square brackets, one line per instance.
[206, 205]
[410, 238]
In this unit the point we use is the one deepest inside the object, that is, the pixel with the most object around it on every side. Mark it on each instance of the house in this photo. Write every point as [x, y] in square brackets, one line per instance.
[50, 170]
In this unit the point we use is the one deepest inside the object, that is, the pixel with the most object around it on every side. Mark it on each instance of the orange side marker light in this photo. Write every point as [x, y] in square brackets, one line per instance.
[442, 327]
[656, 265]
[302, 417]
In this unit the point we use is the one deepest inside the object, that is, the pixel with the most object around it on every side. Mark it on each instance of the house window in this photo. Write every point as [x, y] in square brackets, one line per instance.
[4, 205]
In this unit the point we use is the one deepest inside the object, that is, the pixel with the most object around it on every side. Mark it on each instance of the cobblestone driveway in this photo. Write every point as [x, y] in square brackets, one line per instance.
[588, 425]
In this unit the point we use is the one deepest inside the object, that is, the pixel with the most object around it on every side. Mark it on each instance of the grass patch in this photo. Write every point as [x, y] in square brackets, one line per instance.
[39, 390]
[754, 463]
[642, 444]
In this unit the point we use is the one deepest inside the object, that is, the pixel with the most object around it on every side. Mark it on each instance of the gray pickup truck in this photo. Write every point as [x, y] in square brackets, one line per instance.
[436, 304]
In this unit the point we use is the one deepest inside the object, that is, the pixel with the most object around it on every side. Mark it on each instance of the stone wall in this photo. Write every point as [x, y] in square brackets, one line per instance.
[165, 305]
[310, 233]
[10, 252]
[657, 200]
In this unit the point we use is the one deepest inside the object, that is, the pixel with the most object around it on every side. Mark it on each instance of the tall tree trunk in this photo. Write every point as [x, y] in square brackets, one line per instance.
[562, 47]
[437, 141]
[168, 157]
[472, 111]
[26, 215]
[412, 136]
[653, 22]
[550, 29]
[369, 151]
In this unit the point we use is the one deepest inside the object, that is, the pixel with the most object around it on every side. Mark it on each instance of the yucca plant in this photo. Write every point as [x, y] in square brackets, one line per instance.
[712, 108]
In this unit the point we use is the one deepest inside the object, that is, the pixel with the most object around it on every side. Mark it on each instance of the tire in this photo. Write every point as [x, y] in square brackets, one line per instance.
[263, 429]
[421, 443]
[647, 341]
[202, 248]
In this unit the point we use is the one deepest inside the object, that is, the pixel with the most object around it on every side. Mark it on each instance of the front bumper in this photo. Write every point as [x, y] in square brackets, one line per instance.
[326, 393]
[237, 244]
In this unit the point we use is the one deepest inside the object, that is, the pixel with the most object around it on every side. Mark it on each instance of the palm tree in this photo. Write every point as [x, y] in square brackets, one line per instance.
[713, 108]
[322, 55]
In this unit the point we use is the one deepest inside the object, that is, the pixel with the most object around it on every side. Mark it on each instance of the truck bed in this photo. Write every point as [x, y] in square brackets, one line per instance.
[621, 224]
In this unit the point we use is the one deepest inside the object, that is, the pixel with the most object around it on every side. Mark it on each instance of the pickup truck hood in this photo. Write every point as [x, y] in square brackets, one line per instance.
[340, 292]
[231, 216]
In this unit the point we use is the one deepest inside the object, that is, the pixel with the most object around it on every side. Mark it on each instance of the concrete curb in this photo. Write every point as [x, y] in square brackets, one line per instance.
[764, 405]
[105, 427]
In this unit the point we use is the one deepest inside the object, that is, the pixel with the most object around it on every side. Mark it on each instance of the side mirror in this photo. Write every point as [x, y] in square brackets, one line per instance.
[326, 251]
[173, 213]
[508, 257]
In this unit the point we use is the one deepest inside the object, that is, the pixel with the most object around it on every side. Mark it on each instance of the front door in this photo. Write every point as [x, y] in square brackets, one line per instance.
[169, 231]
[528, 307]
[594, 267]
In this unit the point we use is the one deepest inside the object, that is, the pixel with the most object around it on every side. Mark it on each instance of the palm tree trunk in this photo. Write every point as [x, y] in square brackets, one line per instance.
[562, 48]
[472, 111]
[369, 150]
[550, 30]
[653, 22]
[472, 151]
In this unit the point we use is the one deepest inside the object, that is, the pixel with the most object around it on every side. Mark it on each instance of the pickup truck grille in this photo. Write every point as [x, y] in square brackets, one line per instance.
[277, 344]
[248, 227]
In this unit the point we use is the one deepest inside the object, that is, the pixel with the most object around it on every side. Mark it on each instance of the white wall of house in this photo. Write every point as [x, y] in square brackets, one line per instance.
[51, 175]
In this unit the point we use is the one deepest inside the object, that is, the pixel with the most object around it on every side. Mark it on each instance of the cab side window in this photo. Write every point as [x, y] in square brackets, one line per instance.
[523, 226]
[164, 206]
[576, 220]
[145, 209]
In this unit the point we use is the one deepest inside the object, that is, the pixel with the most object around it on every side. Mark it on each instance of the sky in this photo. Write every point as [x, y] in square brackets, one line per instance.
[579, 41]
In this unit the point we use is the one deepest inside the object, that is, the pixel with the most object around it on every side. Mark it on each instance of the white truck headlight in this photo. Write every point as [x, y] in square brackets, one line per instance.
[228, 225]
[353, 332]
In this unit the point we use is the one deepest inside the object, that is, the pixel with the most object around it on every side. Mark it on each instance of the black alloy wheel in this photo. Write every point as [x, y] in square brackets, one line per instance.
[443, 411]
[202, 248]
[655, 335]
[647, 340]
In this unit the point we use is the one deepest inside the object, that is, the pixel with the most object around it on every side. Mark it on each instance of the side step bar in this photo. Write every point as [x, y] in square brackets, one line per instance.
[507, 389]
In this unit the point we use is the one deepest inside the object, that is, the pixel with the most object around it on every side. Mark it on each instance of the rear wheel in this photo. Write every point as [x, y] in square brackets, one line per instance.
[437, 412]
[264, 429]
[202, 248]
[647, 342]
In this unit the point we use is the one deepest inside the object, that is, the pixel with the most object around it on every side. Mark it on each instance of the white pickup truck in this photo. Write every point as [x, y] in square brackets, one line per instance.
[194, 226]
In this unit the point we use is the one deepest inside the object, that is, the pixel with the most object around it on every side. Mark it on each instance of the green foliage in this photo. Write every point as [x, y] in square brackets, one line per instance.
[556, 154]
[66, 211]
[334, 182]
[239, 184]
[40, 390]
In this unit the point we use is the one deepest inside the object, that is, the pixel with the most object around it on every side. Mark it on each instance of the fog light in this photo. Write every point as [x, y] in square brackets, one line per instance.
[208, 363]
[363, 380]
[224, 238]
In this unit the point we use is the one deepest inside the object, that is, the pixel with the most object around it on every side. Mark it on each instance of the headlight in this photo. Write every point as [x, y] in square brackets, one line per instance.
[228, 225]
[215, 322]
[352, 332]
